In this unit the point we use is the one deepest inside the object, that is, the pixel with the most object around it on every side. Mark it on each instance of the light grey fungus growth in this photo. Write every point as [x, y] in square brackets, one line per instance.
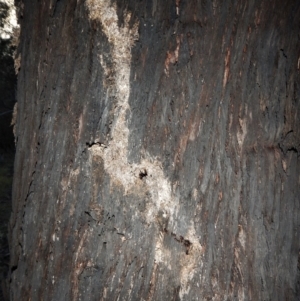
[114, 156]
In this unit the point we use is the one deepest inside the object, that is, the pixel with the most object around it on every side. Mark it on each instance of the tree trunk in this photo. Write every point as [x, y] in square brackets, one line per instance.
[157, 151]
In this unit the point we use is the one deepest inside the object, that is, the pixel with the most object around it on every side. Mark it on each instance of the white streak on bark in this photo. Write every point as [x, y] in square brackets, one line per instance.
[114, 156]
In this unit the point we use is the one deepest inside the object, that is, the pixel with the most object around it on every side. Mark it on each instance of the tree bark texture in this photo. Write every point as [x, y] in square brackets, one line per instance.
[157, 151]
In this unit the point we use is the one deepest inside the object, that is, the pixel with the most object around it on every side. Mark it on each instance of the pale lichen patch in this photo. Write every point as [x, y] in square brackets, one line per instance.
[242, 237]
[284, 165]
[162, 255]
[172, 56]
[147, 176]
[226, 67]
[114, 155]
[241, 134]
[191, 262]
[177, 7]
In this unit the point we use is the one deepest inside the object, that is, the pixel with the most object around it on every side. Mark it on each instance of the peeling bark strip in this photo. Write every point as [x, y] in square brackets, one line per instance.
[115, 154]
[157, 151]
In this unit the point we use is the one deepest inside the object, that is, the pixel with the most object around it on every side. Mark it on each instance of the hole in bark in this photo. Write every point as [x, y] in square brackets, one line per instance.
[187, 245]
[14, 268]
[292, 149]
[143, 173]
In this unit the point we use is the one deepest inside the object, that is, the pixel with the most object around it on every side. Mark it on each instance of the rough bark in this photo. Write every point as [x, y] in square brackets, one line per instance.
[157, 151]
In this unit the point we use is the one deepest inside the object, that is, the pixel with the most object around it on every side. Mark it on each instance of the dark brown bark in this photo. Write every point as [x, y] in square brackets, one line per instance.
[157, 151]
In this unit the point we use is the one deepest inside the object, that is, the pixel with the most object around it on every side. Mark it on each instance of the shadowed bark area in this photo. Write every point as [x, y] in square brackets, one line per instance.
[157, 151]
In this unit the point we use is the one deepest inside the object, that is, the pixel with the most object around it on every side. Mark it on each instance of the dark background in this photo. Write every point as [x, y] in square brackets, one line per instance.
[7, 146]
